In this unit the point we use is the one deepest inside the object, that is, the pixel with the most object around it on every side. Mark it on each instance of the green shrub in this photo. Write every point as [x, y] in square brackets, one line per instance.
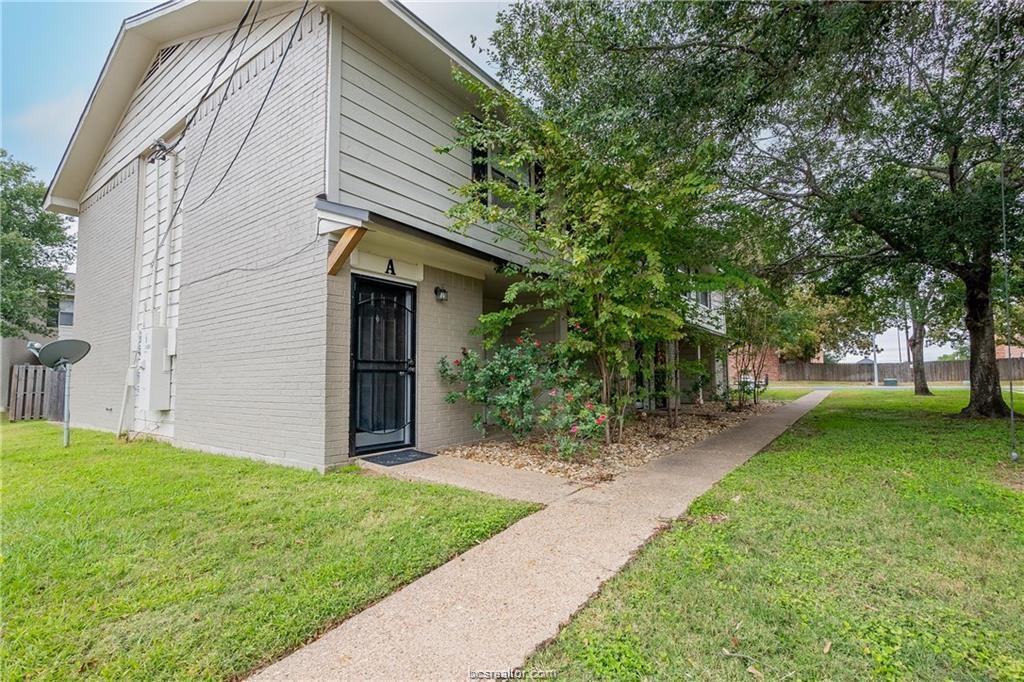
[507, 385]
[525, 385]
[573, 419]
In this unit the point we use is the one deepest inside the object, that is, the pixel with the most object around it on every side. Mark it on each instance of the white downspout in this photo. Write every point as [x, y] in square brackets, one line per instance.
[173, 162]
[151, 313]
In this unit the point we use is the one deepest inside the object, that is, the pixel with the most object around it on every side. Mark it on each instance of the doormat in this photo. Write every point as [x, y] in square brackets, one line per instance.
[390, 459]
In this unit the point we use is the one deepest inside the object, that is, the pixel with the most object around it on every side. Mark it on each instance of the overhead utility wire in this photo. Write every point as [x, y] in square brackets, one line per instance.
[266, 96]
[177, 206]
[164, 149]
[220, 64]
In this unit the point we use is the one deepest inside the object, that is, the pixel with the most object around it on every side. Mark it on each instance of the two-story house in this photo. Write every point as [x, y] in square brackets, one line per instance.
[264, 264]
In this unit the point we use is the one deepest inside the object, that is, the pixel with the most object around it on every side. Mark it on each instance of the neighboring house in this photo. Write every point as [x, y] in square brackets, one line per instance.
[295, 308]
[14, 351]
[65, 312]
[1003, 352]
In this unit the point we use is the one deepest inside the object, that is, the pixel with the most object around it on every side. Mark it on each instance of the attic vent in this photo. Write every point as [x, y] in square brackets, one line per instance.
[161, 57]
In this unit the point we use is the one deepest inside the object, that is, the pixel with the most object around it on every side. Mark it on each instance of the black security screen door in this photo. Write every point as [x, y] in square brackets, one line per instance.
[383, 365]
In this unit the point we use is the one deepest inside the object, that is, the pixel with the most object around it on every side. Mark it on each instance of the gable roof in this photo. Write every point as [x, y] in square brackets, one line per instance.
[141, 35]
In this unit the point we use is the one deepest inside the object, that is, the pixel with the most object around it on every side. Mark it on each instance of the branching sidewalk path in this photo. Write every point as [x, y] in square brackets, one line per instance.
[488, 609]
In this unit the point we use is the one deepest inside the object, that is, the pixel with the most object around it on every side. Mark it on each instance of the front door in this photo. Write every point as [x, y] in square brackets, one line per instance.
[383, 365]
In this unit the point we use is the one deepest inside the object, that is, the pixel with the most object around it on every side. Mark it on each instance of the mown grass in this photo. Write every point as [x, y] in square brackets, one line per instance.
[878, 538]
[785, 394]
[144, 561]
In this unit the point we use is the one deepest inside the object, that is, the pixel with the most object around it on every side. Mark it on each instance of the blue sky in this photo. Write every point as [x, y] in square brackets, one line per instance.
[53, 51]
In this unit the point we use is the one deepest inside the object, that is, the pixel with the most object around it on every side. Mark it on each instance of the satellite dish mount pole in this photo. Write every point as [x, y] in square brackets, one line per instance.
[60, 355]
[67, 403]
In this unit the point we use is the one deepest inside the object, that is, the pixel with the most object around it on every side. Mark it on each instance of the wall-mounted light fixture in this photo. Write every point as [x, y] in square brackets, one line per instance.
[441, 294]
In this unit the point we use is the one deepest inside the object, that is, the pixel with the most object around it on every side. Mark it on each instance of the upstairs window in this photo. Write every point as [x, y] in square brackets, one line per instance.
[66, 313]
[485, 168]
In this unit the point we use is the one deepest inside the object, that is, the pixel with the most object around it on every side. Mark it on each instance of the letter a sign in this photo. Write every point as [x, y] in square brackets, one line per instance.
[390, 269]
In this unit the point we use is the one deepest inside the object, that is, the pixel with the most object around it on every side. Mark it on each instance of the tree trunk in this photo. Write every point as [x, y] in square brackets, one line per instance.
[916, 343]
[986, 394]
[606, 392]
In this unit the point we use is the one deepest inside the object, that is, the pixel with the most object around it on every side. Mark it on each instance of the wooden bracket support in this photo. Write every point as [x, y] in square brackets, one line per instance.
[344, 248]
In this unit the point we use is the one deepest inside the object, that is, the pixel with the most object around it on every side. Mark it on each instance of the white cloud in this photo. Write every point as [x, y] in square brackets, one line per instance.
[54, 118]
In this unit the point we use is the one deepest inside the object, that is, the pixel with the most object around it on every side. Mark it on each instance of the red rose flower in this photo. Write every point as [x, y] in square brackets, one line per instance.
[601, 419]
[519, 340]
[457, 362]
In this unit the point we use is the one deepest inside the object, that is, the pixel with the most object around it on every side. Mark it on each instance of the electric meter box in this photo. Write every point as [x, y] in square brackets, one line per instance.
[154, 370]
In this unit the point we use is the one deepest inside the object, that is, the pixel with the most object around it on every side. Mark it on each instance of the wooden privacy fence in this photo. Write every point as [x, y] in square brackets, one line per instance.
[936, 370]
[36, 392]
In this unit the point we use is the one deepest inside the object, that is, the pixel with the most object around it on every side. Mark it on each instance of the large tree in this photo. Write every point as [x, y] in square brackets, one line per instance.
[909, 165]
[872, 121]
[35, 250]
[615, 246]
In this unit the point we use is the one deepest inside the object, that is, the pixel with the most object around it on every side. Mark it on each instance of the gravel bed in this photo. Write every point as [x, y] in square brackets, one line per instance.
[647, 437]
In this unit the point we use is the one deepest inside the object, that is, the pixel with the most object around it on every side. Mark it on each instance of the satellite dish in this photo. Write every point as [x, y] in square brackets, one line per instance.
[65, 351]
[61, 355]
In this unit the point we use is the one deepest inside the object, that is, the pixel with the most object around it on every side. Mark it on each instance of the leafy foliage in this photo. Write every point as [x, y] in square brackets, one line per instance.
[901, 169]
[572, 419]
[35, 250]
[866, 132]
[762, 322]
[507, 384]
[614, 243]
[524, 386]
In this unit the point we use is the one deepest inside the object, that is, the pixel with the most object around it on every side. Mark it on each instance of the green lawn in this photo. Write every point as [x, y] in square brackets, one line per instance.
[144, 561]
[878, 538]
[786, 394]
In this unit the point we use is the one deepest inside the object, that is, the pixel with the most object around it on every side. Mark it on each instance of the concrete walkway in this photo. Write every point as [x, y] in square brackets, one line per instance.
[514, 484]
[490, 608]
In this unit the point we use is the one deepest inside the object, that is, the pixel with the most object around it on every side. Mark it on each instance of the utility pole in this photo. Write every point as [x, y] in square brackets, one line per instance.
[874, 353]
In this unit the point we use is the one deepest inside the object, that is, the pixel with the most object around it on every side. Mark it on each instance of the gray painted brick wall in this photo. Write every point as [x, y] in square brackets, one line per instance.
[336, 387]
[252, 317]
[442, 330]
[103, 308]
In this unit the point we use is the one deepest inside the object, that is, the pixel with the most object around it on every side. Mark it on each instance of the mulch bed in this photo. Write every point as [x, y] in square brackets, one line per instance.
[646, 437]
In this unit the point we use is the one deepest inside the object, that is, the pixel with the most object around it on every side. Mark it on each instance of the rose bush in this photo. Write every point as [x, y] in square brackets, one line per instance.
[573, 420]
[525, 385]
[507, 384]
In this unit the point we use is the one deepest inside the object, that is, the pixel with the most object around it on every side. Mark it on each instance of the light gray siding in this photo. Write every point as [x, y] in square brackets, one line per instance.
[251, 362]
[392, 119]
[164, 98]
[104, 289]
